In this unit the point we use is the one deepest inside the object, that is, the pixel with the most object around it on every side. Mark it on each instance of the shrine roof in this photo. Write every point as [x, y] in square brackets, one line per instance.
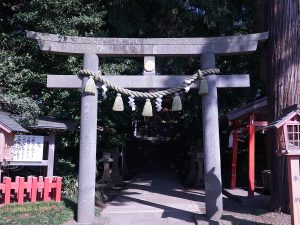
[10, 124]
[257, 107]
[50, 123]
[287, 114]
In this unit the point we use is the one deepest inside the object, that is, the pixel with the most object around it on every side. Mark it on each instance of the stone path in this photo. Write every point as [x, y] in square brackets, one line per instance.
[154, 199]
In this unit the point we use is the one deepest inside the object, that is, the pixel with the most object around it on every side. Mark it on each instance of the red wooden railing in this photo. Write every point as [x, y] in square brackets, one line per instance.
[34, 189]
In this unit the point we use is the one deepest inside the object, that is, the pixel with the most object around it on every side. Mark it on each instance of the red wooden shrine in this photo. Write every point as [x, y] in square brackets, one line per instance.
[249, 118]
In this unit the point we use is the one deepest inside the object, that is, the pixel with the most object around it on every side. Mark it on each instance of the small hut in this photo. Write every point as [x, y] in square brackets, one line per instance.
[288, 136]
[8, 130]
[45, 126]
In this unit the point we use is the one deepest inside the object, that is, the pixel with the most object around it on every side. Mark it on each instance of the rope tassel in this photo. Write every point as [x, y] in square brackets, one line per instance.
[90, 86]
[118, 104]
[203, 87]
[176, 105]
[147, 110]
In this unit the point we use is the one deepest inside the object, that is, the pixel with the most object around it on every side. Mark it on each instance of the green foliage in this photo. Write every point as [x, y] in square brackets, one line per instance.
[69, 183]
[72, 17]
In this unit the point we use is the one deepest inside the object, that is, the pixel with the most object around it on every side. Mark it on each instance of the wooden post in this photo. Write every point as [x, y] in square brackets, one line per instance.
[251, 172]
[20, 188]
[40, 186]
[47, 189]
[29, 187]
[58, 189]
[51, 150]
[294, 188]
[34, 189]
[234, 158]
[14, 186]
[7, 181]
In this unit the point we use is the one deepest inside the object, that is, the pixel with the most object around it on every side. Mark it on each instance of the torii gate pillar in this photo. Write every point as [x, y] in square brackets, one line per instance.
[211, 143]
[88, 143]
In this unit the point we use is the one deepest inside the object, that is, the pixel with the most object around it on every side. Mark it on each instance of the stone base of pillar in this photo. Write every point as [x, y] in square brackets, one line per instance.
[201, 219]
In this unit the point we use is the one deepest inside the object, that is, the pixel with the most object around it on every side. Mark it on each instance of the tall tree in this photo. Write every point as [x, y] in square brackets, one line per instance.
[283, 79]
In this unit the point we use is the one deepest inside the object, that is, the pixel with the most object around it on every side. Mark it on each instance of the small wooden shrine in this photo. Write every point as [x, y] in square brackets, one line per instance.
[8, 130]
[248, 119]
[288, 130]
[17, 149]
[288, 137]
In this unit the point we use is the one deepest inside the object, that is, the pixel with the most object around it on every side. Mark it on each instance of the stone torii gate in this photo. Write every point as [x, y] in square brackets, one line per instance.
[205, 48]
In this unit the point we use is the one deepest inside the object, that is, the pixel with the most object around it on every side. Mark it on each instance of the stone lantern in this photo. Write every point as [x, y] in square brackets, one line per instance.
[288, 136]
[117, 179]
[106, 160]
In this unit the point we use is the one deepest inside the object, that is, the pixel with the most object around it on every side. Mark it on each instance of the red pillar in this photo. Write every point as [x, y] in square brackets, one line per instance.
[251, 174]
[234, 158]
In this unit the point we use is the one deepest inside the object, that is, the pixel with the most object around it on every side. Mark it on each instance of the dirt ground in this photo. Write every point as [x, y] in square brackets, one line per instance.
[246, 215]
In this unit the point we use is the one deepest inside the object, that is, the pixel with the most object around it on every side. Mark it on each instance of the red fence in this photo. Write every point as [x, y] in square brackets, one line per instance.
[34, 189]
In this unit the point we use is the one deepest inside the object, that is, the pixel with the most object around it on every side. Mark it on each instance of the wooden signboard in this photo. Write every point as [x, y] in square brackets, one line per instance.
[28, 148]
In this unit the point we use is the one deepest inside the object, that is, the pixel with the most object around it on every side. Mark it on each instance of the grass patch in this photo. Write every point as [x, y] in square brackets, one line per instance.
[36, 213]
[54, 213]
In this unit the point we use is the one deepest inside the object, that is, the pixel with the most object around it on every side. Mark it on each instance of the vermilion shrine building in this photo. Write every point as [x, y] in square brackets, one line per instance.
[248, 118]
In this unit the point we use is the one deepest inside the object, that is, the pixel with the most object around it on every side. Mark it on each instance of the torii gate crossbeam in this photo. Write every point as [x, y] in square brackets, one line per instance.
[207, 48]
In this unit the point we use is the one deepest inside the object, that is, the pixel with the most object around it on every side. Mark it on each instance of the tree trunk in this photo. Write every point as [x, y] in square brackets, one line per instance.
[283, 81]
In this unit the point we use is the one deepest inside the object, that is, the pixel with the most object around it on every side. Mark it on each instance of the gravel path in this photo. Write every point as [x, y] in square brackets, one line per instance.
[238, 214]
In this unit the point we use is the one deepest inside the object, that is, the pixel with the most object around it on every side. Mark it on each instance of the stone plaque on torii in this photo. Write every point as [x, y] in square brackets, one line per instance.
[205, 48]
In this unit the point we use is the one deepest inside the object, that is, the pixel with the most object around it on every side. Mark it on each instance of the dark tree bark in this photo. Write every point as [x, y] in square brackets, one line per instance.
[283, 81]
